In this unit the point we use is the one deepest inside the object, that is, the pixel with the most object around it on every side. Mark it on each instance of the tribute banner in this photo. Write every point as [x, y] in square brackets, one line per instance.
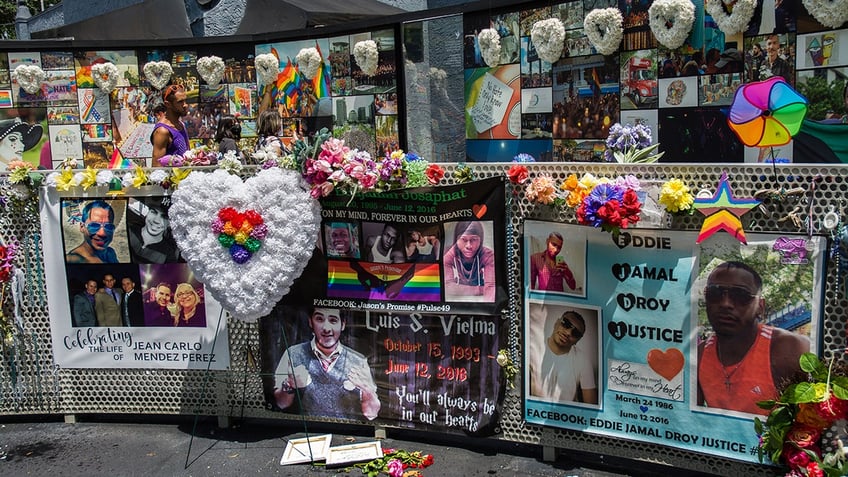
[120, 294]
[648, 336]
[397, 316]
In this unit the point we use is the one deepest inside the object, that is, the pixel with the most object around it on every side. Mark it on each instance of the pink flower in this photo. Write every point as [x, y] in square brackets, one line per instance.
[541, 190]
[394, 468]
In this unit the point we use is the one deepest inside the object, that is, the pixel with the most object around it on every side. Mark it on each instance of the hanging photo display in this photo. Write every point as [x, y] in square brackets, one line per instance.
[648, 336]
[397, 316]
[120, 294]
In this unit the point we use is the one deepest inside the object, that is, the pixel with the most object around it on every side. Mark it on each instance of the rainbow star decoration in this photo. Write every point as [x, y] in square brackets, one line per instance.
[723, 212]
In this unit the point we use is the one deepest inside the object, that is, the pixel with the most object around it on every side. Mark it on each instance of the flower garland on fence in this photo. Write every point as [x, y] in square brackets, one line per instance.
[308, 62]
[792, 433]
[671, 21]
[29, 77]
[604, 29]
[830, 13]
[211, 69]
[366, 56]
[105, 76]
[548, 36]
[266, 66]
[731, 18]
[490, 46]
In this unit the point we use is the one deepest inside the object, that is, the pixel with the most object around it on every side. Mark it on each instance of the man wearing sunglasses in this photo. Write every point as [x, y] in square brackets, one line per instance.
[744, 361]
[97, 229]
[559, 370]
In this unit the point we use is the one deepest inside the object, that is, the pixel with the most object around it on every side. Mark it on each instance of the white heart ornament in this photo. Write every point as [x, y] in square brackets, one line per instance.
[291, 216]
[366, 56]
[830, 13]
[603, 27]
[29, 77]
[548, 37]
[211, 69]
[157, 73]
[308, 62]
[735, 21]
[671, 21]
[105, 76]
[266, 66]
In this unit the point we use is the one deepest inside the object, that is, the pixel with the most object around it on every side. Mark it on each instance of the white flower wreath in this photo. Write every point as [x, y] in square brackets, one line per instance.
[603, 27]
[734, 22]
[157, 73]
[308, 62]
[830, 13]
[105, 76]
[671, 21]
[490, 46]
[366, 56]
[290, 221]
[211, 69]
[548, 36]
[29, 77]
[267, 67]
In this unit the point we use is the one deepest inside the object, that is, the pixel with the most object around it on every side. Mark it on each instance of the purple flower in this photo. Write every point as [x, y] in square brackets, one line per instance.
[217, 225]
[394, 468]
[240, 254]
[523, 157]
[259, 232]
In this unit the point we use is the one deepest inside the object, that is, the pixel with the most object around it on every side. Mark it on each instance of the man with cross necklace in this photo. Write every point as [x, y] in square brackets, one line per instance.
[744, 361]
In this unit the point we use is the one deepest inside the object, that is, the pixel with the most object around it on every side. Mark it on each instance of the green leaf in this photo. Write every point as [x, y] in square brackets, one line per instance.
[804, 393]
[810, 363]
[758, 426]
[767, 404]
[839, 386]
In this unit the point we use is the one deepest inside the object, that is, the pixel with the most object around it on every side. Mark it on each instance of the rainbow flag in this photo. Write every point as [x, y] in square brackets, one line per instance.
[321, 81]
[287, 85]
[343, 281]
[596, 82]
[118, 161]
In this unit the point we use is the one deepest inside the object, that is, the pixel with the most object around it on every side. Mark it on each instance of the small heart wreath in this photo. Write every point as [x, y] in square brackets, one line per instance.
[671, 21]
[211, 69]
[603, 27]
[548, 37]
[366, 56]
[308, 62]
[830, 13]
[105, 76]
[29, 77]
[267, 66]
[490, 46]
[735, 21]
[157, 73]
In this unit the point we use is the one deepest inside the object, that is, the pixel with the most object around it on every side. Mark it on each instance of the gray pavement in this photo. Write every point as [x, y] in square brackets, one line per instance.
[159, 446]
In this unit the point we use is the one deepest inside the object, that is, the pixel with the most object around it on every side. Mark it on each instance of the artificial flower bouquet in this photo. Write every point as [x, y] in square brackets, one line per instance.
[612, 206]
[792, 432]
[631, 144]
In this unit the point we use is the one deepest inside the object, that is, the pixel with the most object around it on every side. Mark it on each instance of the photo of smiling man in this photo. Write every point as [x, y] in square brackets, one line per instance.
[95, 232]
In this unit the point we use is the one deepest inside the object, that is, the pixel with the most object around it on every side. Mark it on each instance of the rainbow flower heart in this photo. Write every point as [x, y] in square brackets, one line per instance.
[240, 232]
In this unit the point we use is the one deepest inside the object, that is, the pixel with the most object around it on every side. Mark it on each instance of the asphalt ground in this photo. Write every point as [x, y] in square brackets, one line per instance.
[182, 446]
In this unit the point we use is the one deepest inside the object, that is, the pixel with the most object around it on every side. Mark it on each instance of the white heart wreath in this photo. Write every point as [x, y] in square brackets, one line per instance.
[830, 13]
[211, 69]
[734, 22]
[548, 36]
[671, 21]
[157, 73]
[289, 215]
[490, 46]
[267, 67]
[603, 28]
[366, 56]
[308, 62]
[29, 77]
[105, 76]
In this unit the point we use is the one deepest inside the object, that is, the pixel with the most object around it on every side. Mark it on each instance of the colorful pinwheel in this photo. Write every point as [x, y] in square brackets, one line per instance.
[767, 113]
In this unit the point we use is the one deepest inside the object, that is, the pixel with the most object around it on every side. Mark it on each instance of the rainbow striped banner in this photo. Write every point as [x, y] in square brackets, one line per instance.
[321, 81]
[344, 281]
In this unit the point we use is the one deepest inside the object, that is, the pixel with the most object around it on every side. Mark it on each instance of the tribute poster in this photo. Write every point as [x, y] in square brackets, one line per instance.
[121, 295]
[638, 336]
[397, 316]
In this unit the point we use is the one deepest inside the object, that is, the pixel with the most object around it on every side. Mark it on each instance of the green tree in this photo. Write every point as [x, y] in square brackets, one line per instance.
[823, 96]
[9, 10]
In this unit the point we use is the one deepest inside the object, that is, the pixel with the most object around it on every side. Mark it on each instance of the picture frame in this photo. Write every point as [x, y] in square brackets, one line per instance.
[306, 449]
[352, 453]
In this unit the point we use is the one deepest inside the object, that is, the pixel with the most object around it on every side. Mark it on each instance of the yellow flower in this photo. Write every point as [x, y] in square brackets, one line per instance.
[397, 154]
[571, 183]
[575, 198]
[675, 196]
[241, 237]
[140, 178]
[89, 178]
[588, 181]
[177, 175]
[65, 180]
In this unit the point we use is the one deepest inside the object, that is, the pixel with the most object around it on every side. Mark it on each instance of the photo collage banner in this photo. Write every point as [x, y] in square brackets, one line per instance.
[650, 337]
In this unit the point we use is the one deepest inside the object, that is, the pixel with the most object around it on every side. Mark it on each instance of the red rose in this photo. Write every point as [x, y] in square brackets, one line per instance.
[803, 436]
[813, 470]
[226, 214]
[795, 458]
[610, 213]
[518, 174]
[434, 173]
[831, 410]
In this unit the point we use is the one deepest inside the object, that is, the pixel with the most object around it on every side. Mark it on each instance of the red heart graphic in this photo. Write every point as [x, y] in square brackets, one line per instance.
[479, 210]
[666, 363]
